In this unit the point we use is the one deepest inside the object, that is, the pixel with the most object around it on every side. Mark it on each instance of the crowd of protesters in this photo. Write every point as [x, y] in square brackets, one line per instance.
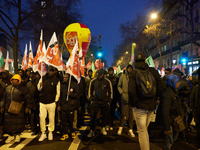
[59, 102]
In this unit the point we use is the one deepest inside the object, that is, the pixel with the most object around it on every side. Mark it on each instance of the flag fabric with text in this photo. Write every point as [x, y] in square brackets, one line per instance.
[6, 67]
[88, 65]
[25, 61]
[38, 54]
[52, 56]
[73, 64]
[30, 58]
[97, 64]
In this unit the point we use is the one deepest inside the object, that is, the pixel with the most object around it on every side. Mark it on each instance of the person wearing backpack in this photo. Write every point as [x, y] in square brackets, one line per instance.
[168, 110]
[143, 89]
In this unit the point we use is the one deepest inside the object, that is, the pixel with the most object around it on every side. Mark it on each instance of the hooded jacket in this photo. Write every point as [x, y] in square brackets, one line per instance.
[135, 99]
[123, 87]
[19, 93]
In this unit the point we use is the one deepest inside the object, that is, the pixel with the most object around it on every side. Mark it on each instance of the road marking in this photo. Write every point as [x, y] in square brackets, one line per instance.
[77, 140]
[28, 138]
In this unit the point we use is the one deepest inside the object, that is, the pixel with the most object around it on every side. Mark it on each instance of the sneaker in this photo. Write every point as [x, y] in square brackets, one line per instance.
[73, 135]
[91, 134]
[42, 137]
[104, 131]
[119, 132]
[17, 138]
[64, 137]
[130, 133]
[50, 136]
[9, 139]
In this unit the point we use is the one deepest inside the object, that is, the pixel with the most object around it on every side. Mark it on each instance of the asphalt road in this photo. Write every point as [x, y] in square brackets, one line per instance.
[99, 142]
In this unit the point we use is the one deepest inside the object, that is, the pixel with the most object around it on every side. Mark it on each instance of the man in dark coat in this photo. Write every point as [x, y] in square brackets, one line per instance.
[195, 106]
[143, 107]
[167, 110]
[100, 94]
[67, 103]
[116, 96]
[4, 82]
[14, 123]
[34, 113]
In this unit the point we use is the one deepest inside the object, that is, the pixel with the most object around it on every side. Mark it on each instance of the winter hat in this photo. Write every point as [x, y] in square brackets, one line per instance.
[99, 72]
[168, 69]
[139, 57]
[172, 80]
[17, 77]
[177, 72]
[129, 66]
[110, 69]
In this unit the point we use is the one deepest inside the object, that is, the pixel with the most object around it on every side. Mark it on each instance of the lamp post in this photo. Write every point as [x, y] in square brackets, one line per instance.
[155, 16]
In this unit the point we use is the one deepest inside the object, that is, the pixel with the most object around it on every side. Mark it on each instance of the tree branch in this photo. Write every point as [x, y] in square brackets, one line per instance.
[7, 25]
[4, 31]
[8, 18]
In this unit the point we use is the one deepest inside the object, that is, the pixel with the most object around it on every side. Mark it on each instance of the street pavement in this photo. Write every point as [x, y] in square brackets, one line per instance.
[112, 141]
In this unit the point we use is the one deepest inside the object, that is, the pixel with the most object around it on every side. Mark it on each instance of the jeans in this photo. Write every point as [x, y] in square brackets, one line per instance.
[142, 119]
[169, 139]
[126, 114]
[50, 108]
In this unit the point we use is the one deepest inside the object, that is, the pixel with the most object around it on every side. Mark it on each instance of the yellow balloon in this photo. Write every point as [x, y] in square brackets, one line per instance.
[77, 31]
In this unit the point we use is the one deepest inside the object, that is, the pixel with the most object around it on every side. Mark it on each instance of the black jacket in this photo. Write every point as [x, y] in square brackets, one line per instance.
[195, 102]
[49, 89]
[114, 80]
[71, 104]
[100, 91]
[135, 99]
[169, 108]
[15, 123]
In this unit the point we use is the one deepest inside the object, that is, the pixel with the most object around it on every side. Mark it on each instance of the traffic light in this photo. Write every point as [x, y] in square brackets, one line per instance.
[184, 58]
[99, 54]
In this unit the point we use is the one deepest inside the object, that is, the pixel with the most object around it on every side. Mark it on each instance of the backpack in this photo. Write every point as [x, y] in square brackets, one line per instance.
[146, 83]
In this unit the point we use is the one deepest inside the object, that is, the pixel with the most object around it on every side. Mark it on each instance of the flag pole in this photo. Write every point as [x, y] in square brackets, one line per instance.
[69, 87]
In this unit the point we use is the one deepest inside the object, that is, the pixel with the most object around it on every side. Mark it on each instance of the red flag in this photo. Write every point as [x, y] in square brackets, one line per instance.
[88, 65]
[42, 66]
[38, 54]
[97, 63]
[73, 64]
[30, 58]
[25, 62]
[53, 54]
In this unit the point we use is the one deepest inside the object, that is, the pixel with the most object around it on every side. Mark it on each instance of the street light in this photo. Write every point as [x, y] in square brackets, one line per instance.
[154, 15]
[126, 52]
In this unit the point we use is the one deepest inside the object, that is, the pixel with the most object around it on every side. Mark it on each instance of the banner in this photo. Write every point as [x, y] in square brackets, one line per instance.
[150, 61]
[38, 54]
[52, 56]
[73, 64]
[97, 64]
[24, 61]
[30, 58]
[1, 58]
[88, 65]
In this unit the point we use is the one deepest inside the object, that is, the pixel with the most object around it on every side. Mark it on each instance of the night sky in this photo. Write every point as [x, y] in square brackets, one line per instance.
[103, 17]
